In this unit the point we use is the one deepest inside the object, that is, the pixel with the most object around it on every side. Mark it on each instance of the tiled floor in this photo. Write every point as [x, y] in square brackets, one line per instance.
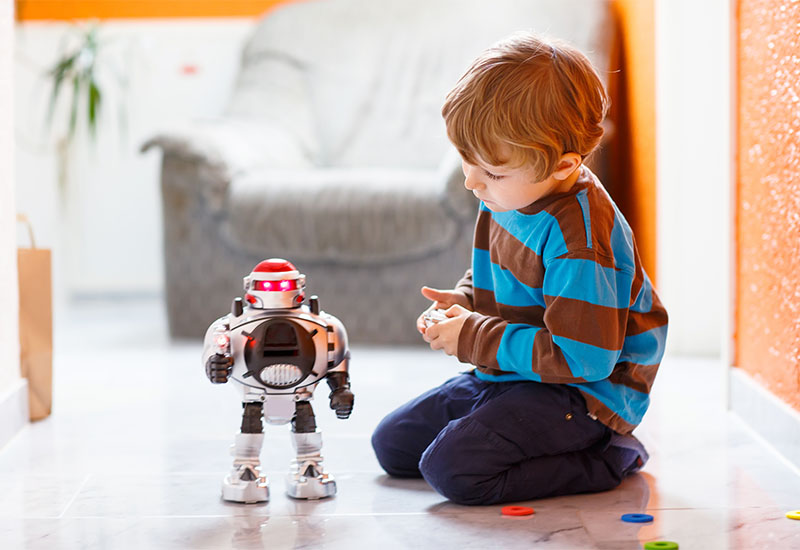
[138, 443]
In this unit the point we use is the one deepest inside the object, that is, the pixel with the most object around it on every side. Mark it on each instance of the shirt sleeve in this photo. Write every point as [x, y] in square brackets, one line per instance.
[586, 311]
[464, 286]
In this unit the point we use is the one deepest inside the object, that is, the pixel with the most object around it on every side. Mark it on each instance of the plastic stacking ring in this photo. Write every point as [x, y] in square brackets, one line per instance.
[637, 518]
[794, 514]
[661, 545]
[516, 511]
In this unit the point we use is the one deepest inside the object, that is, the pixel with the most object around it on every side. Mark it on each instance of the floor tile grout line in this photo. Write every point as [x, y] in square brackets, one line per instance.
[75, 496]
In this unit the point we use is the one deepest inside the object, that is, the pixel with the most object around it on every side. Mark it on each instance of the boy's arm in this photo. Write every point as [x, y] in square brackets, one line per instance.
[464, 286]
[585, 318]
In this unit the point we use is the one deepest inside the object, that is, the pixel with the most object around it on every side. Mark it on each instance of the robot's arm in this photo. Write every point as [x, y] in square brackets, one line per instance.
[217, 356]
[338, 365]
[341, 397]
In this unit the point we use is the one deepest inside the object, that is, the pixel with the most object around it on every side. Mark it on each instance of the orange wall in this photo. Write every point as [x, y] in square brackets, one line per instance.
[768, 187]
[107, 9]
[634, 166]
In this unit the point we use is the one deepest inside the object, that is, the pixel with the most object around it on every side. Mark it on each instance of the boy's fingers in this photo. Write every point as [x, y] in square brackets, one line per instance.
[454, 311]
[434, 294]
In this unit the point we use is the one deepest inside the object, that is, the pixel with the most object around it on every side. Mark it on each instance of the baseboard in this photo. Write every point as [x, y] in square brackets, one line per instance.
[772, 419]
[13, 410]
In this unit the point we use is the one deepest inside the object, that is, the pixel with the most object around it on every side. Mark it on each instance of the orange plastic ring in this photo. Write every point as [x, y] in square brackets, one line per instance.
[516, 511]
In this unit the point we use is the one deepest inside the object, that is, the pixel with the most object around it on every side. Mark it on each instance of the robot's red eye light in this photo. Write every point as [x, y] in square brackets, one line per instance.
[283, 285]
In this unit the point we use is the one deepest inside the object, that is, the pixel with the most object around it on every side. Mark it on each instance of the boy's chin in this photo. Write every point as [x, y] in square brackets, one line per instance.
[494, 207]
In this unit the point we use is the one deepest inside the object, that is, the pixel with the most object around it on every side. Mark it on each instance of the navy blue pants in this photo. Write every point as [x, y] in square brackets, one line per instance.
[479, 442]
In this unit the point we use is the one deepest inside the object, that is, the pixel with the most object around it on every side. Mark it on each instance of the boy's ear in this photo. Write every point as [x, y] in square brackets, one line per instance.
[567, 165]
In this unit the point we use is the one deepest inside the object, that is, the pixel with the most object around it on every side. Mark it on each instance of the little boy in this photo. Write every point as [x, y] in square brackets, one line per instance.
[556, 314]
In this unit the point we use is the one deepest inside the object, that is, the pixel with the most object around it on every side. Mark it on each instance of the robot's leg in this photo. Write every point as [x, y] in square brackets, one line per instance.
[245, 482]
[307, 479]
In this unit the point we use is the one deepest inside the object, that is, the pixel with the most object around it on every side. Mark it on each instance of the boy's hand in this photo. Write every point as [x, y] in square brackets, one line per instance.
[444, 334]
[442, 299]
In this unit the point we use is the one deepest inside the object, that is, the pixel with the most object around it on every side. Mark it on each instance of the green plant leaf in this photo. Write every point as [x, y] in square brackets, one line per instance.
[73, 112]
[95, 97]
[59, 73]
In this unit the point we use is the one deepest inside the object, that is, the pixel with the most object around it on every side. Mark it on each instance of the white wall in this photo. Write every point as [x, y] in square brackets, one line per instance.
[9, 299]
[105, 231]
[693, 89]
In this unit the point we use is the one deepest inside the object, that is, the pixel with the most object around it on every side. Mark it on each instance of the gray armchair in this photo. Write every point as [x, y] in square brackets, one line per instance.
[332, 154]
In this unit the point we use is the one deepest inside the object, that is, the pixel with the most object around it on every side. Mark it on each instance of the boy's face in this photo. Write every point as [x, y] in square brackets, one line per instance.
[503, 188]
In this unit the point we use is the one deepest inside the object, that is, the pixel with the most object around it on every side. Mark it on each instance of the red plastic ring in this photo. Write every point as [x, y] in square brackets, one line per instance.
[516, 511]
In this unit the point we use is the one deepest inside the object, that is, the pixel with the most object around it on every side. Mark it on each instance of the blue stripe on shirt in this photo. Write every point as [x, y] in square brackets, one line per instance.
[646, 348]
[644, 301]
[515, 352]
[507, 289]
[535, 231]
[595, 363]
[622, 242]
[583, 201]
[588, 281]
[628, 403]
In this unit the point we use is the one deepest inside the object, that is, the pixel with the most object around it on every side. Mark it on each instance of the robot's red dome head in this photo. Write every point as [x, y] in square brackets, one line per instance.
[275, 284]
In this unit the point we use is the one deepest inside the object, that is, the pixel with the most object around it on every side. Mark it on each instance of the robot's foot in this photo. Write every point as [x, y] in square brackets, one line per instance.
[307, 480]
[245, 485]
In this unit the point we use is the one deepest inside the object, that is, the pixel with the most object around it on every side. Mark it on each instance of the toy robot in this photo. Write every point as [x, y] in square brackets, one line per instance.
[278, 349]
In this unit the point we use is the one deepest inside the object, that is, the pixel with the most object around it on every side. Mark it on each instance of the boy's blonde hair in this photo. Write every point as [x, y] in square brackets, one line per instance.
[537, 99]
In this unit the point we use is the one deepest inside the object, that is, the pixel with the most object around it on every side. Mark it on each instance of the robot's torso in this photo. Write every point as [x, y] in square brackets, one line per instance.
[279, 354]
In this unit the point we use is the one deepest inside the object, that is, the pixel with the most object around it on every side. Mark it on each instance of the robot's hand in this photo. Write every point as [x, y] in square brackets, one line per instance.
[342, 402]
[218, 368]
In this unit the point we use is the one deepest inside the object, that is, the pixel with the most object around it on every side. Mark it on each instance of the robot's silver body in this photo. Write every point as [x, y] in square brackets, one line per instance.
[277, 349]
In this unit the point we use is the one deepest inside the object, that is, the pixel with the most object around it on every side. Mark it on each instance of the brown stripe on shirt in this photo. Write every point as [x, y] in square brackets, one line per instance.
[479, 341]
[642, 322]
[584, 322]
[509, 253]
[464, 286]
[485, 302]
[606, 415]
[550, 362]
[636, 377]
[603, 217]
[638, 280]
[527, 315]
[591, 255]
[482, 230]
[569, 217]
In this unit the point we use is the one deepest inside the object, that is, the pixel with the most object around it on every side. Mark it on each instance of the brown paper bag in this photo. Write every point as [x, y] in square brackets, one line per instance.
[36, 325]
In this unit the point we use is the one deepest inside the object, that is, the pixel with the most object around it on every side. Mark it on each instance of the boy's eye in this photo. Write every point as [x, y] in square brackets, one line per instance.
[492, 176]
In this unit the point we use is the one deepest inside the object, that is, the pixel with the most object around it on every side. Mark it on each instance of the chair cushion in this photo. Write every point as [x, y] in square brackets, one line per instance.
[358, 217]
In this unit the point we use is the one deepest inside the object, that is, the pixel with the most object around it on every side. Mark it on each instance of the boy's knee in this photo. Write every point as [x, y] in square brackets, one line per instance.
[448, 467]
[392, 457]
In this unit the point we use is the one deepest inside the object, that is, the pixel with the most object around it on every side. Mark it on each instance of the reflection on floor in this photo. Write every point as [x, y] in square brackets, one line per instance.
[138, 443]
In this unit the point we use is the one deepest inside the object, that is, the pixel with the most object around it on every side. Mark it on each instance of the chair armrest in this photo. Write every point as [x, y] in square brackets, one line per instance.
[226, 148]
[457, 199]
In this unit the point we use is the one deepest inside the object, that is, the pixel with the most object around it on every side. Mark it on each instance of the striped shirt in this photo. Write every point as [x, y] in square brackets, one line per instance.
[560, 296]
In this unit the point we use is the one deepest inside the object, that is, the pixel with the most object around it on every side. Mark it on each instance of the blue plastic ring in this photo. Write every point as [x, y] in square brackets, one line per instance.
[637, 518]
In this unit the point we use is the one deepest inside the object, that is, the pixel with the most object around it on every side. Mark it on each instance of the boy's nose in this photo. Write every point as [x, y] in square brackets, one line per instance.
[471, 181]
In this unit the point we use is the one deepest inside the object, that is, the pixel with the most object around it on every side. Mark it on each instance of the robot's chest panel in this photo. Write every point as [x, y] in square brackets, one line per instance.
[279, 352]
